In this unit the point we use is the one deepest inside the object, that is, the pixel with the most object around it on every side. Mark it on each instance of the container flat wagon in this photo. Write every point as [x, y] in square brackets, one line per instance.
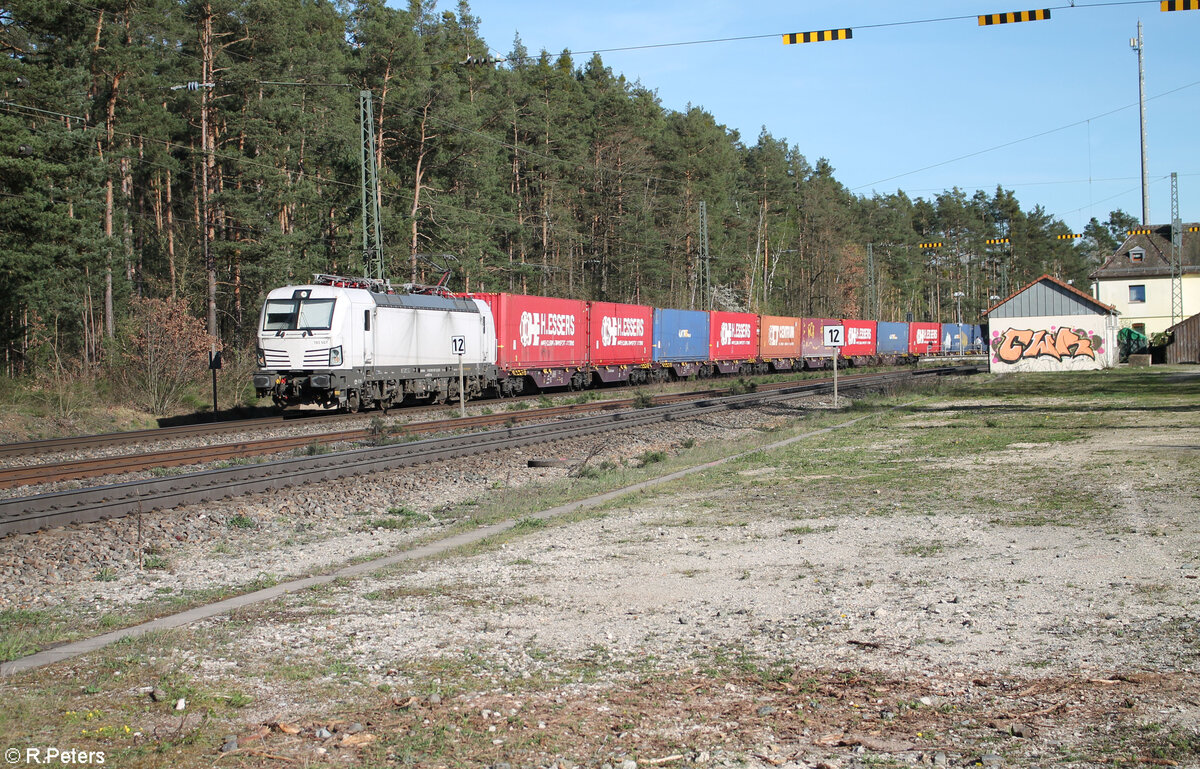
[680, 342]
[732, 342]
[779, 343]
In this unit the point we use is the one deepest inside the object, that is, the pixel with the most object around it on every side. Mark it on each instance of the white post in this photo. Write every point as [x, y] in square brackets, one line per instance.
[835, 337]
[462, 392]
[835, 394]
[458, 346]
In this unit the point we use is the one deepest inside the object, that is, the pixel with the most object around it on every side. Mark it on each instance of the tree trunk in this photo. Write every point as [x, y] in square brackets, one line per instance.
[418, 175]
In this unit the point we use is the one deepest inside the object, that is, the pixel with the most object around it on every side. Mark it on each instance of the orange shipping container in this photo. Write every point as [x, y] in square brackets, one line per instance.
[779, 337]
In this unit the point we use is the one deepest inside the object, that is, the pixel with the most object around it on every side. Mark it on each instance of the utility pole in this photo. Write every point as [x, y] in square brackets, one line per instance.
[210, 267]
[703, 277]
[1138, 45]
[872, 289]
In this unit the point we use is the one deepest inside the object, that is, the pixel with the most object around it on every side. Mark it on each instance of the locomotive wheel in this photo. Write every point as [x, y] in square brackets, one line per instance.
[353, 402]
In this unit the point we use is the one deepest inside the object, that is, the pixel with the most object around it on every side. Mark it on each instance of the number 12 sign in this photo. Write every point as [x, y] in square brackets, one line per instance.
[835, 336]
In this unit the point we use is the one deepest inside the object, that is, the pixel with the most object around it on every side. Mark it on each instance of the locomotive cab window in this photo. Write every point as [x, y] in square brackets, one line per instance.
[366, 320]
[298, 315]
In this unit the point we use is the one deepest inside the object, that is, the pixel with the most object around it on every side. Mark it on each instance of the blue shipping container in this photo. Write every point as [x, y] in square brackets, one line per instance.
[975, 342]
[680, 335]
[955, 337]
[893, 338]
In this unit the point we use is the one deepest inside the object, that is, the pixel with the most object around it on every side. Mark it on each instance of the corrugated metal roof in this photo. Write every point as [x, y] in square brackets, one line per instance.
[1048, 296]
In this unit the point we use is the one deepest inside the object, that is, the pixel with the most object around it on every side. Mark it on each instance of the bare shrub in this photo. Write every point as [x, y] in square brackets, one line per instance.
[65, 389]
[163, 351]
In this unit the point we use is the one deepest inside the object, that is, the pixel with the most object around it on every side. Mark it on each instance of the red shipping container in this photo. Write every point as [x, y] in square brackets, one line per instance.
[732, 336]
[924, 338]
[779, 337]
[535, 332]
[620, 334]
[860, 338]
[812, 343]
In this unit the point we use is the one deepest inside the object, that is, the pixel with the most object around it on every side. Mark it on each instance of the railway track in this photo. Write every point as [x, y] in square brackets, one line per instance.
[100, 466]
[131, 437]
[94, 467]
[27, 514]
[208, 429]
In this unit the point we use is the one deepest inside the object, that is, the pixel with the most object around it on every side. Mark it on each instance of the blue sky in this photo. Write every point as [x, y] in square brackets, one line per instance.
[897, 99]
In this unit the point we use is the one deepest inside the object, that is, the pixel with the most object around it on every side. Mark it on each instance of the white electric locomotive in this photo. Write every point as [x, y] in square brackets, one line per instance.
[354, 343]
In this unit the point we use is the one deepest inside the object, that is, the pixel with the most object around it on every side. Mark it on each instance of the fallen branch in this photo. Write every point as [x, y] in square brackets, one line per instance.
[1039, 712]
[868, 644]
[255, 752]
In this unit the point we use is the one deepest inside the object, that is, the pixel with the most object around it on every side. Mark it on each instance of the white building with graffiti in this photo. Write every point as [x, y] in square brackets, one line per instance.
[1049, 325]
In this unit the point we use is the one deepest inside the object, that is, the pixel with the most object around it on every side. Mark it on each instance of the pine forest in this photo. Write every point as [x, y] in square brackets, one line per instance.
[180, 158]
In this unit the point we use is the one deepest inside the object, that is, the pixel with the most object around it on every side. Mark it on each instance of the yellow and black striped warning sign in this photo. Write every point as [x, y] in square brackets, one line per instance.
[1069, 237]
[818, 37]
[1014, 16]
[994, 241]
[1142, 231]
[1181, 5]
[1193, 229]
[929, 245]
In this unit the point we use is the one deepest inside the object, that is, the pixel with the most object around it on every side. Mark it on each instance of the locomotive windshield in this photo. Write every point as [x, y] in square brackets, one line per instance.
[298, 315]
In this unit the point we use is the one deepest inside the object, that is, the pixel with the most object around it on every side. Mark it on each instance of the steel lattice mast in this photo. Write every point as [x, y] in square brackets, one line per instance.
[372, 241]
[1176, 254]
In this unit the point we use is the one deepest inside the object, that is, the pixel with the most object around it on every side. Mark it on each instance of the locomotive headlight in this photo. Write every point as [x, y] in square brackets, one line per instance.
[335, 356]
[262, 357]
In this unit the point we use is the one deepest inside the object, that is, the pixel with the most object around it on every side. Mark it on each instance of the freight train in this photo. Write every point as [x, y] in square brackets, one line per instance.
[355, 343]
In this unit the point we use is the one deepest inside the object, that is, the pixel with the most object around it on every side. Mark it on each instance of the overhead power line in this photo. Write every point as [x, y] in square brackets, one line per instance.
[1022, 139]
[784, 35]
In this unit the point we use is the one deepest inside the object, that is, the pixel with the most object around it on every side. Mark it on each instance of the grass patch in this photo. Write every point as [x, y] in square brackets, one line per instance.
[923, 548]
[804, 530]
[154, 562]
[651, 458]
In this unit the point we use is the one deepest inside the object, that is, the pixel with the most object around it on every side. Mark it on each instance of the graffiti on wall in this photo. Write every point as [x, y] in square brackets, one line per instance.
[1017, 344]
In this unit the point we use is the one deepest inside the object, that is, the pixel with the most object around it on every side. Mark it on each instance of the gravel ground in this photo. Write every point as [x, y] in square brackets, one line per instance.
[915, 631]
[294, 531]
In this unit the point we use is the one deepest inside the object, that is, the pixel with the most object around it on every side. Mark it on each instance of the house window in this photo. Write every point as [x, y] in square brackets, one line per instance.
[1137, 294]
[1140, 328]
[1137, 255]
